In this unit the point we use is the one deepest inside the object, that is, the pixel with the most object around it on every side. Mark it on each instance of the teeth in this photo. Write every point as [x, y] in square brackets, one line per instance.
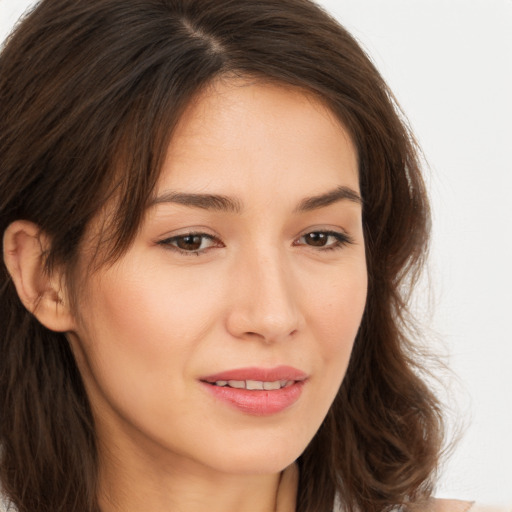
[256, 385]
[238, 384]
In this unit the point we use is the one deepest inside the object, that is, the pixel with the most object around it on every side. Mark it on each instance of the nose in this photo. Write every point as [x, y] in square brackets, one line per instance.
[264, 299]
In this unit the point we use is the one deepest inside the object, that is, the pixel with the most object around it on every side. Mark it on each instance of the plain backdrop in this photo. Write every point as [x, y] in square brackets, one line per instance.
[449, 63]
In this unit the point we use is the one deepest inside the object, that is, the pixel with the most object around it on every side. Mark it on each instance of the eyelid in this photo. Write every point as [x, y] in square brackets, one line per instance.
[342, 239]
[167, 242]
[341, 236]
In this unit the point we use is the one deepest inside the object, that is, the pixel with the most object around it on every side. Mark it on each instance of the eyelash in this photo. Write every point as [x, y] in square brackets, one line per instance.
[169, 243]
[341, 240]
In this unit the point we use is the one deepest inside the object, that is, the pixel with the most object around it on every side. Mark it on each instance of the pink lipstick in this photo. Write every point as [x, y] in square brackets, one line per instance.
[257, 391]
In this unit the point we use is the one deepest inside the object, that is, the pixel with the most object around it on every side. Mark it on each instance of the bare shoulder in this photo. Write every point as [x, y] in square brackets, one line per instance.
[442, 505]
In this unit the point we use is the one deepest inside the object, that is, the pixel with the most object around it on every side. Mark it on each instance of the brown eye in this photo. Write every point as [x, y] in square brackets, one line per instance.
[324, 240]
[317, 239]
[189, 242]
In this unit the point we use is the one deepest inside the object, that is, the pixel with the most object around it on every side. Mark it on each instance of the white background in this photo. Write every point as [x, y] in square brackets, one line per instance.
[449, 63]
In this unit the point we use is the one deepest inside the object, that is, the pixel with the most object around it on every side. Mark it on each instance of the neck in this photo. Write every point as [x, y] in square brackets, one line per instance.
[192, 493]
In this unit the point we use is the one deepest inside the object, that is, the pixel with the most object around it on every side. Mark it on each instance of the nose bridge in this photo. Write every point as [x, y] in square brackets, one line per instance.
[266, 303]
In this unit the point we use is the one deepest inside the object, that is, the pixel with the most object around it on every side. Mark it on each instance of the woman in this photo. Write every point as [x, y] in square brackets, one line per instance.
[212, 217]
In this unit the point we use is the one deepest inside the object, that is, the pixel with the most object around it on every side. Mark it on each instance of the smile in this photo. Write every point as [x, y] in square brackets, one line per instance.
[256, 385]
[257, 391]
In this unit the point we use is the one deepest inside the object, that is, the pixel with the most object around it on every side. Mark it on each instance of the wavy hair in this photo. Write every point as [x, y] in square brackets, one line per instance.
[90, 91]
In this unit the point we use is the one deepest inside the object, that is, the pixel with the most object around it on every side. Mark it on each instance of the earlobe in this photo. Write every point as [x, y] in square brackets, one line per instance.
[24, 248]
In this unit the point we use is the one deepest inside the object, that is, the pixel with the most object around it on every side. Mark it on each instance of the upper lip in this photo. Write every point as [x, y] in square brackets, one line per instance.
[258, 374]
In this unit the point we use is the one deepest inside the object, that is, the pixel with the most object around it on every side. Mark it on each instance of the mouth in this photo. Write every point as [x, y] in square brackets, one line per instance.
[257, 391]
[254, 385]
[276, 377]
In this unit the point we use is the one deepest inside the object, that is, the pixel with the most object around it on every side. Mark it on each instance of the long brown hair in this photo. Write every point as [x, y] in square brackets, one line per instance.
[90, 91]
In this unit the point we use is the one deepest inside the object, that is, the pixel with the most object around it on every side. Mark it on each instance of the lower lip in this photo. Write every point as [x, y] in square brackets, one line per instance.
[258, 402]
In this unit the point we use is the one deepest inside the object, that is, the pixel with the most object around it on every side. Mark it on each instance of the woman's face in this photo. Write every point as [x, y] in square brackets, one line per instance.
[247, 272]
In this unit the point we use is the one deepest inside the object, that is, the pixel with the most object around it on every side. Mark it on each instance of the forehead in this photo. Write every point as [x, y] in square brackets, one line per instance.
[251, 134]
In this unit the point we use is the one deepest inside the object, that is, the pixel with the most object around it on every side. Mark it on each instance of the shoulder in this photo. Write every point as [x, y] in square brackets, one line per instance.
[442, 505]
[4, 505]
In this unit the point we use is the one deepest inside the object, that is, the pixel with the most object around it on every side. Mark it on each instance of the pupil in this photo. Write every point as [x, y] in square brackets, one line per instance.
[190, 242]
[316, 239]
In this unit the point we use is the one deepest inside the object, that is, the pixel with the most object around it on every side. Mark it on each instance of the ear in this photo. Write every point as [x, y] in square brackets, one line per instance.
[42, 294]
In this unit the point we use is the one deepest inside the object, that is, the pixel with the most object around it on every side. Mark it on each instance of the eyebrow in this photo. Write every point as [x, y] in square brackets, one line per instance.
[328, 198]
[204, 201]
[230, 204]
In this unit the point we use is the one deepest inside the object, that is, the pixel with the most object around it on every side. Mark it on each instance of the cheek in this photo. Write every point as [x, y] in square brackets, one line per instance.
[140, 326]
[336, 309]
[143, 308]
[334, 313]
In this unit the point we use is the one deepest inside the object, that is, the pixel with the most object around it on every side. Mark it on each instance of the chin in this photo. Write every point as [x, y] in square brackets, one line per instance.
[257, 464]
[267, 456]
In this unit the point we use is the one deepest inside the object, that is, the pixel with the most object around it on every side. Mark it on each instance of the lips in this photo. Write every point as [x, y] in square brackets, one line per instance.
[258, 374]
[257, 391]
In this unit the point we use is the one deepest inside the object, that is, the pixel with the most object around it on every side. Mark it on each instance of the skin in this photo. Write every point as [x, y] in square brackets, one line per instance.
[257, 292]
